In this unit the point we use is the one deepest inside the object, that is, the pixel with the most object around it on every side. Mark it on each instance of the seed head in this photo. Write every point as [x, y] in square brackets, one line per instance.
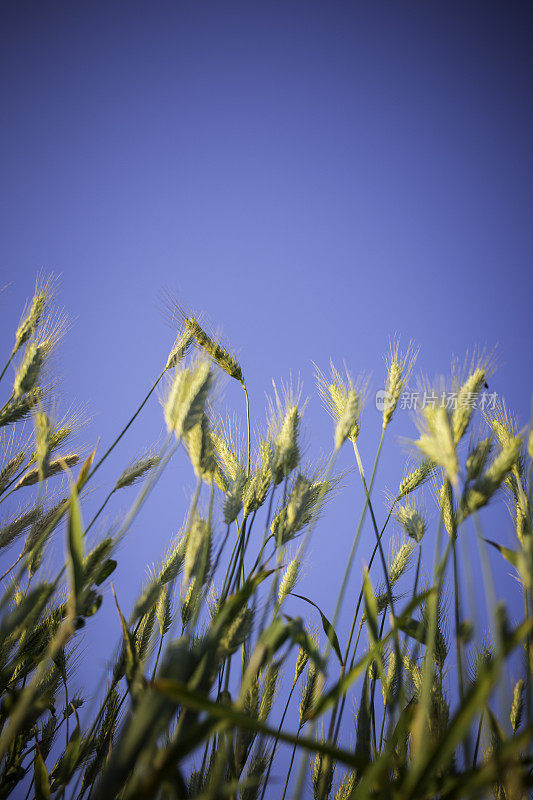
[37, 353]
[257, 487]
[32, 316]
[289, 579]
[323, 769]
[211, 345]
[447, 509]
[466, 398]
[412, 522]
[269, 690]
[301, 660]
[436, 440]
[190, 601]
[487, 484]
[18, 524]
[346, 788]
[179, 349]
[55, 467]
[8, 472]
[286, 451]
[42, 442]
[234, 498]
[163, 610]
[135, 471]
[200, 448]
[344, 399]
[347, 426]
[399, 368]
[237, 632]
[173, 561]
[415, 478]
[20, 407]
[400, 562]
[476, 460]
[30, 369]
[308, 694]
[185, 403]
[304, 504]
[518, 705]
[197, 551]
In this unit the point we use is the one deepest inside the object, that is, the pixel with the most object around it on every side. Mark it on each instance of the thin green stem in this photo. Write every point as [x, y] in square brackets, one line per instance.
[290, 765]
[376, 531]
[6, 573]
[7, 365]
[127, 426]
[478, 738]
[108, 498]
[276, 740]
[157, 657]
[458, 643]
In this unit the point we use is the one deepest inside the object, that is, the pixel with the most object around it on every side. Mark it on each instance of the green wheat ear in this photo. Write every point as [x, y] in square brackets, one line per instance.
[436, 440]
[413, 480]
[518, 704]
[343, 398]
[289, 579]
[45, 289]
[186, 398]
[400, 366]
[412, 521]
[137, 469]
[211, 345]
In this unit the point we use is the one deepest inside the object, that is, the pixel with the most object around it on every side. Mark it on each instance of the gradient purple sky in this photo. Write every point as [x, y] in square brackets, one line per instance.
[313, 176]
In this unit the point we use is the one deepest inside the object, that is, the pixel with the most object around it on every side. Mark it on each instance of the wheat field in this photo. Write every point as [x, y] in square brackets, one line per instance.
[215, 690]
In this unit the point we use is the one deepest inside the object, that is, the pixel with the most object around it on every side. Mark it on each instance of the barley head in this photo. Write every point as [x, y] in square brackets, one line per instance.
[179, 349]
[486, 485]
[308, 695]
[399, 368]
[447, 509]
[412, 521]
[197, 551]
[477, 458]
[322, 775]
[233, 499]
[10, 469]
[42, 442]
[518, 705]
[286, 451]
[289, 579]
[436, 441]
[413, 480]
[55, 467]
[32, 316]
[400, 563]
[20, 407]
[269, 690]
[137, 469]
[185, 402]
[301, 661]
[344, 399]
[199, 445]
[256, 489]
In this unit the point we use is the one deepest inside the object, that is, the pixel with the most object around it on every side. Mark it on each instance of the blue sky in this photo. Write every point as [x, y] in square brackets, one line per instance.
[314, 177]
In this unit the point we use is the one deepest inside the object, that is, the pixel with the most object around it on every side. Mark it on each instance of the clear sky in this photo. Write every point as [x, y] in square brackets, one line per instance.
[314, 176]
